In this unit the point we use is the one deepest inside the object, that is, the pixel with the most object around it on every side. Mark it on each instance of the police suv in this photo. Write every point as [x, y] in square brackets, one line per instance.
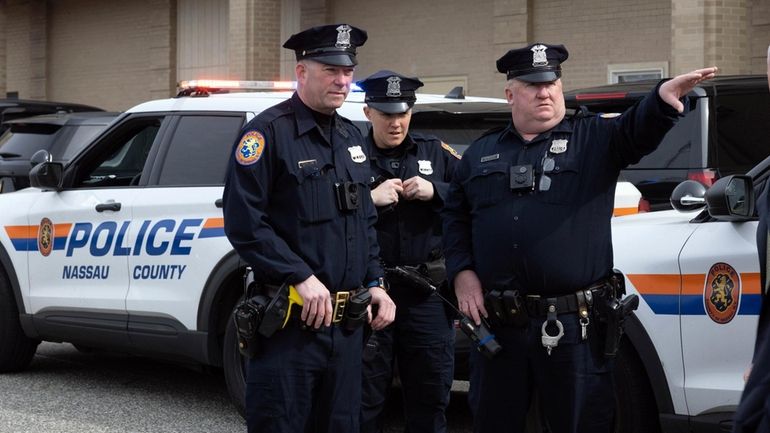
[123, 248]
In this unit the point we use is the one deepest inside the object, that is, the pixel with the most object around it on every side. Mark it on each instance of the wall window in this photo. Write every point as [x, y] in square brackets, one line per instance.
[628, 72]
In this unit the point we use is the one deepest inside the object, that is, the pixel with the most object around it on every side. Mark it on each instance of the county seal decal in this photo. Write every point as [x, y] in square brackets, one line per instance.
[45, 236]
[250, 148]
[722, 293]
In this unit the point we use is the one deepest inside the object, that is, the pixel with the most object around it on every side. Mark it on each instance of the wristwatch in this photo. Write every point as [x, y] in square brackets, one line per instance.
[380, 282]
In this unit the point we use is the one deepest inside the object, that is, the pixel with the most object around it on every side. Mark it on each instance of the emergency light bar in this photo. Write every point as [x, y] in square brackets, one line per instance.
[204, 87]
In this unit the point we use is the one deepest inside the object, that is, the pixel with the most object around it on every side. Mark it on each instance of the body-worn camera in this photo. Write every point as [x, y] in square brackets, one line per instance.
[347, 195]
[522, 178]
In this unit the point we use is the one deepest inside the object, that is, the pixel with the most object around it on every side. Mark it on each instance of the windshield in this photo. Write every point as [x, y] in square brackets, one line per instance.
[24, 143]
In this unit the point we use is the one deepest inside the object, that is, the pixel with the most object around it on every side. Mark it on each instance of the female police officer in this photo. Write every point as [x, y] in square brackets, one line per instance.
[411, 172]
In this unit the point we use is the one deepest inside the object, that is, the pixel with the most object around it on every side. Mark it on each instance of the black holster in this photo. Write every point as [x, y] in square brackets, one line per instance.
[612, 309]
[355, 311]
[248, 315]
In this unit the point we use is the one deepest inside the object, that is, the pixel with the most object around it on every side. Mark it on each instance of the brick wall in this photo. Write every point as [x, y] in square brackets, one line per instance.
[427, 39]
[254, 42]
[598, 33]
[3, 66]
[17, 66]
[759, 35]
[111, 54]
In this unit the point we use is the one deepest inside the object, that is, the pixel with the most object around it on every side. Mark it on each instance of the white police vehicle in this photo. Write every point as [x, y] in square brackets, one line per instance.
[123, 248]
[696, 270]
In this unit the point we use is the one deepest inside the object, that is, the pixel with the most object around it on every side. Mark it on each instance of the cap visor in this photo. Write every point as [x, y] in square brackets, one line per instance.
[390, 107]
[540, 77]
[336, 60]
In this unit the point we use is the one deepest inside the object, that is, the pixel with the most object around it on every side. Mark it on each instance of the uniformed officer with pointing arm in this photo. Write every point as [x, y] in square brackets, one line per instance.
[297, 210]
[527, 232]
[753, 414]
[411, 174]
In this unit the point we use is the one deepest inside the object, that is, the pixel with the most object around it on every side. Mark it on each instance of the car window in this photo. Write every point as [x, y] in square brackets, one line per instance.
[680, 147]
[742, 131]
[72, 139]
[20, 142]
[200, 150]
[122, 157]
[458, 130]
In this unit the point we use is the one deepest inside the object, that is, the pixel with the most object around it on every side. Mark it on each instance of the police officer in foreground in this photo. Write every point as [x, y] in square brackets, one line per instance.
[297, 210]
[411, 176]
[527, 231]
[753, 414]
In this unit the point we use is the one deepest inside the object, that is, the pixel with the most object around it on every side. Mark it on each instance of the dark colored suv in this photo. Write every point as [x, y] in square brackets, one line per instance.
[726, 132]
[11, 109]
[63, 135]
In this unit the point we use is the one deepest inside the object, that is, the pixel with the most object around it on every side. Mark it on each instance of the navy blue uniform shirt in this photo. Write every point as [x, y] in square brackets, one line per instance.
[410, 232]
[280, 208]
[550, 242]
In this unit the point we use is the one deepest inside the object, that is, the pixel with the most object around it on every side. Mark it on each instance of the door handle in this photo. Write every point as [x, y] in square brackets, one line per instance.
[113, 206]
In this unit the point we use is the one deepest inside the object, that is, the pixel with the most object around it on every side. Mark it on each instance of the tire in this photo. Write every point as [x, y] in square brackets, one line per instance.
[17, 350]
[637, 411]
[234, 368]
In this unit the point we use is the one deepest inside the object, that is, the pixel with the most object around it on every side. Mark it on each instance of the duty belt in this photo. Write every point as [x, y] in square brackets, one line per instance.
[537, 305]
[339, 302]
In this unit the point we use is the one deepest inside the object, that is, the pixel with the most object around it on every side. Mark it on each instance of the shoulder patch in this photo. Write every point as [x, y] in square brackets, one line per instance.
[449, 149]
[250, 148]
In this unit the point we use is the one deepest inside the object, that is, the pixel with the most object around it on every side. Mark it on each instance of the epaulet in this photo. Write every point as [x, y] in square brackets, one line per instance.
[579, 113]
[419, 136]
[491, 131]
[279, 110]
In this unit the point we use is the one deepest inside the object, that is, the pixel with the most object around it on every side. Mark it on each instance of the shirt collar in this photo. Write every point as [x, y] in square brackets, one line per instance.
[304, 116]
[565, 126]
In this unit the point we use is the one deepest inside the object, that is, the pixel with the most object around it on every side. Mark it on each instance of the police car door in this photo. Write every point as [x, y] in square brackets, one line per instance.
[181, 235]
[81, 277]
[719, 308]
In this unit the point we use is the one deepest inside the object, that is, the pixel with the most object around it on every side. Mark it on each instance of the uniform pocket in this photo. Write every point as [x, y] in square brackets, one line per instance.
[488, 184]
[564, 182]
[316, 195]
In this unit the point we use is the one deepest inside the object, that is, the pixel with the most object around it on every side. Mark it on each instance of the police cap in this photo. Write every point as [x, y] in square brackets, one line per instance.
[537, 63]
[390, 92]
[333, 44]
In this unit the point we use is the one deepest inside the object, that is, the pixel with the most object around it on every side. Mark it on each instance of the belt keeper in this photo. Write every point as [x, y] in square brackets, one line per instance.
[551, 309]
[582, 296]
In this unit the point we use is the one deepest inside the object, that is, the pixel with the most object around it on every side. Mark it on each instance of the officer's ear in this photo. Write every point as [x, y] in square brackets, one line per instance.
[367, 112]
[301, 71]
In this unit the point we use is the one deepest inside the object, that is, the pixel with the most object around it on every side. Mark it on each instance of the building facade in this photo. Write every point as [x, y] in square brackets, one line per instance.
[115, 54]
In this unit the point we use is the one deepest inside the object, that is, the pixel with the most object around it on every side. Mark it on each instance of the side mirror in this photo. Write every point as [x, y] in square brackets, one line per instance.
[47, 176]
[731, 198]
[688, 196]
[40, 157]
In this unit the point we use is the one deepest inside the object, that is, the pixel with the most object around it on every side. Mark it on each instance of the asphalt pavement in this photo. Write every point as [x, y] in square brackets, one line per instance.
[67, 391]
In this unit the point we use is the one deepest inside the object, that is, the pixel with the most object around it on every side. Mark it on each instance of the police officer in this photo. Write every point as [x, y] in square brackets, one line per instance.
[753, 414]
[297, 209]
[527, 219]
[411, 174]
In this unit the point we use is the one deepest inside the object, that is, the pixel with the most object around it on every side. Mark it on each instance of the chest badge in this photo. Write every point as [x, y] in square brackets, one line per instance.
[357, 154]
[558, 146]
[425, 167]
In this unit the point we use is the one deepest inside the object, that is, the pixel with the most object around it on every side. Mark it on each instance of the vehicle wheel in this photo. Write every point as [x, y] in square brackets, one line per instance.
[637, 411]
[17, 350]
[235, 368]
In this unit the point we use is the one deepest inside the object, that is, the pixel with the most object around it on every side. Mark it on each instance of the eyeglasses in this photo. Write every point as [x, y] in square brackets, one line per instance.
[545, 181]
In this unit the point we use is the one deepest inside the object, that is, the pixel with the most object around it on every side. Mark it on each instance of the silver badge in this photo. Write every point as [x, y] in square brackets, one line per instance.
[425, 167]
[394, 87]
[558, 146]
[343, 36]
[538, 56]
[357, 154]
